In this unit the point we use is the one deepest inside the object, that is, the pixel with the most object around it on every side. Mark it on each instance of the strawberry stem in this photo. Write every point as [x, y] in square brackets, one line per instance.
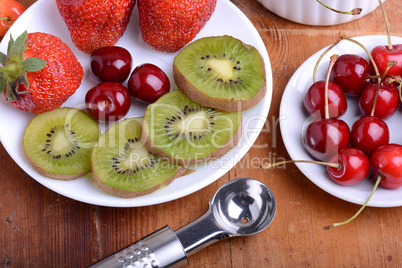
[360, 210]
[355, 11]
[11, 71]
[15, 68]
[390, 47]
[8, 18]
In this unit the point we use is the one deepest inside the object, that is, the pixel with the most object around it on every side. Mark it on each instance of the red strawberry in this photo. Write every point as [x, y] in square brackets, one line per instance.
[39, 72]
[168, 25]
[93, 23]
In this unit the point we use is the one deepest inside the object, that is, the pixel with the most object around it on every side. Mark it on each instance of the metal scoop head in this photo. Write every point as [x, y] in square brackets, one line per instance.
[242, 206]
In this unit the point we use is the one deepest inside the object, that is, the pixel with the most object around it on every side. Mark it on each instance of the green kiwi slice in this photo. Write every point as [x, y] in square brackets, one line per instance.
[221, 72]
[58, 143]
[184, 132]
[121, 165]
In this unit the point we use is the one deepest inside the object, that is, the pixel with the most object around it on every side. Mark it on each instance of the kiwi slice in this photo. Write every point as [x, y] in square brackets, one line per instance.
[221, 72]
[121, 165]
[184, 132]
[58, 143]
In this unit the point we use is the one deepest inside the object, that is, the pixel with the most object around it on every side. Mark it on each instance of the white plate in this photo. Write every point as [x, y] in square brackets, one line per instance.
[293, 118]
[227, 19]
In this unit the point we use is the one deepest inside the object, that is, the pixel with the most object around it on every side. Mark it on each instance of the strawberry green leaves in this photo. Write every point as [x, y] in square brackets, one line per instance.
[15, 68]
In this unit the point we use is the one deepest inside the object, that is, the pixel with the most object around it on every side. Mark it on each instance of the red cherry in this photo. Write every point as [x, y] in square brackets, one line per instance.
[349, 72]
[368, 133]
[387, 100]
[387, 162]
[314, 100]
[9, 12]
[324, 138]
[382, 55]
[148, 83]
[111, 64]
[108, 101]
[354, 166]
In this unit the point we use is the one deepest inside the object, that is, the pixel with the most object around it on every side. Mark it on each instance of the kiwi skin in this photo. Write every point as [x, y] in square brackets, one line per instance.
[182, 171]
[232, 142]
[63, 177]
[221, 104]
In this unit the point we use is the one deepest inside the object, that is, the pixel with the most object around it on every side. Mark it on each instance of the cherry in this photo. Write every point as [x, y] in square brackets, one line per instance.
[148, 83]
[10, 11]
[111, 64]
[387, 162]
[387, 101]
[348, 167]
[354, 167]
[350, 72]
[314, 100]
[108, 101]
[384, 54]
[324, 138]
[368, 133]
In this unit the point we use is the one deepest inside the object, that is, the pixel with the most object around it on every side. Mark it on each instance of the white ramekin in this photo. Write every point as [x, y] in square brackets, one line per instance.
[311, 12]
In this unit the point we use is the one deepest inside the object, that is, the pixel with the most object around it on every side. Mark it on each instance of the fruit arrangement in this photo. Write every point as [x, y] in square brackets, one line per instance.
[200, 133]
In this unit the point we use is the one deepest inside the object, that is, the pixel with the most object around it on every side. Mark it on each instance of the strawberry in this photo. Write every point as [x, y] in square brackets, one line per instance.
[93, 23]
[168, 25]
[39, 73]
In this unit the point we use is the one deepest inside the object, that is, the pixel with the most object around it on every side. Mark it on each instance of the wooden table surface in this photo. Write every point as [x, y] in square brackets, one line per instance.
[40, 228]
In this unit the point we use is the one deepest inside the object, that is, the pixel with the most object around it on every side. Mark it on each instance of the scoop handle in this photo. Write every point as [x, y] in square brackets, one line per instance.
[201, 233]
[162, 248]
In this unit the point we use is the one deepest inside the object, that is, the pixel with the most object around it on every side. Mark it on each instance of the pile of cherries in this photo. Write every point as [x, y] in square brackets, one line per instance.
[110, 99]
[328, 138]
[351, 154]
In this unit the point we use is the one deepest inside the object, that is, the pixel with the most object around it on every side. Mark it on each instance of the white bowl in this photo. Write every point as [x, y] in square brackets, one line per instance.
[311, 12]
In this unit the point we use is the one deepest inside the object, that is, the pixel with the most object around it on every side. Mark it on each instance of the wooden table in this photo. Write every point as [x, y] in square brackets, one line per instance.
[40, 228]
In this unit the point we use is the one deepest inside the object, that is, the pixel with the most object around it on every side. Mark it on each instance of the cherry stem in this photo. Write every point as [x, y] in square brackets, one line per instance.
[8, 18]
[390, 47]
[390, 64]
[360, 210]
[355, 11]
[320, 58]
[331, 64]
[270, 165]
[400, 91]
[343, 36]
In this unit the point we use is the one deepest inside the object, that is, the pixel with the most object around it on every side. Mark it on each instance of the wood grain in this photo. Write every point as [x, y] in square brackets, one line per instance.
[40, 228]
